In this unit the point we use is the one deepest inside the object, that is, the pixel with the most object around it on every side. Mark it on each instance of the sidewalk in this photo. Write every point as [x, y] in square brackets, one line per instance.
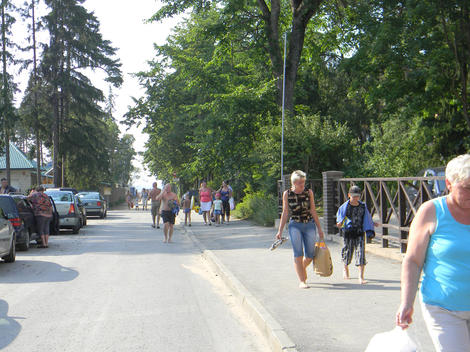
[333, 315]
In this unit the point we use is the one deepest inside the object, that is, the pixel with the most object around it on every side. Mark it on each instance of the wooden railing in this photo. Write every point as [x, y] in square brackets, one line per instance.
[394, 201]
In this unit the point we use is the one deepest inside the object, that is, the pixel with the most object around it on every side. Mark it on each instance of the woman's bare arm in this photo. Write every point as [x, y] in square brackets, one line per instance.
[285, 214]
[313, 212]
[421, 229]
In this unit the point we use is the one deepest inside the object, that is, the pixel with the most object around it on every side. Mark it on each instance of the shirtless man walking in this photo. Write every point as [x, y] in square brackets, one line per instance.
[154, 193]
[167, 197]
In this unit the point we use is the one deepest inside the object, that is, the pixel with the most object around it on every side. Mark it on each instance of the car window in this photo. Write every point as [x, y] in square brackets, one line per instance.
[89, 195]
[60, 196]
[9, 207]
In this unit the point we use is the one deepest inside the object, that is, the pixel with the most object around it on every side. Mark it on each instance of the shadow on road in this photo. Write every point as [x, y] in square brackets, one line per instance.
[31, 271]
[9, 327]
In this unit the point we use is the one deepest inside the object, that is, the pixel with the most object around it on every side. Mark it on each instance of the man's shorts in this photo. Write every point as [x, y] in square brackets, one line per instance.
[168, 216]
[187, 211]
[155, 208]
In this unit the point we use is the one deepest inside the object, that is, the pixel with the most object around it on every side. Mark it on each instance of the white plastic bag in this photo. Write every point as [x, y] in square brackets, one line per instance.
[396, 340]
[232, 203]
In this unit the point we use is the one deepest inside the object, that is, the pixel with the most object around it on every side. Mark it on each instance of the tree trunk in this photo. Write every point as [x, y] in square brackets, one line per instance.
[55, 137]
[302, 12]
[35, 95]
[5, 94]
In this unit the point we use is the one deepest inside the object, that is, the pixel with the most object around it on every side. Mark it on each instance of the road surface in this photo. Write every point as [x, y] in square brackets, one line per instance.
[117, 287]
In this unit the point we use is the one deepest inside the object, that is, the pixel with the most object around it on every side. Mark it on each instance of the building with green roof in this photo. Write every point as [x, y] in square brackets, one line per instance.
[22, 170]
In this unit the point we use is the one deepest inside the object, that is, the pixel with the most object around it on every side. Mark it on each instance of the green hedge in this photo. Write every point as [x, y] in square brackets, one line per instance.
[259, 207]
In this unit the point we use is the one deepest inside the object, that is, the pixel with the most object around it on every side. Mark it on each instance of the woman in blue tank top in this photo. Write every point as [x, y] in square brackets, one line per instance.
[439, 246]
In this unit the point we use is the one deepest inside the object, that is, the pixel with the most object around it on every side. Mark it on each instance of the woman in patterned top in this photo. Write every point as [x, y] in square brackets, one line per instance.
[42, 208]
[303, 224]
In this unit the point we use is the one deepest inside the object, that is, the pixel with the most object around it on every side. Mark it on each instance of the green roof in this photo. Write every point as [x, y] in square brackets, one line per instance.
[18, 159]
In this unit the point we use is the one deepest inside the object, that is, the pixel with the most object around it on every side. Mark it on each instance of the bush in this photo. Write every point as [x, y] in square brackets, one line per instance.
[259, 207]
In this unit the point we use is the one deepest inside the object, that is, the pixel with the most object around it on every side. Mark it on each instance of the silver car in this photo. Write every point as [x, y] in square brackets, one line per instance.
[7, 239]
[68, 209]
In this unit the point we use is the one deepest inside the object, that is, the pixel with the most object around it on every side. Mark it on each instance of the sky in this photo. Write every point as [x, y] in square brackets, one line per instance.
[122, 22]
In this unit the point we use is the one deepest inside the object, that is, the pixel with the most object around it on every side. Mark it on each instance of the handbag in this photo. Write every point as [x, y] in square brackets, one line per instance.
[322, 264]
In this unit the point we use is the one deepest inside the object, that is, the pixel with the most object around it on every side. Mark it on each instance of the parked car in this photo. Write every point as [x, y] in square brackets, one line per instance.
[7, 238]
[67, 206]
[83, 211]
[26, 213]
[22, 237]
[95, 203]
[436, 188]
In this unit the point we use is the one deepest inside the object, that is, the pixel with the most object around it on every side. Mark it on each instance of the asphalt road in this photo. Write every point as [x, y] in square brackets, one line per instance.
[117, 287]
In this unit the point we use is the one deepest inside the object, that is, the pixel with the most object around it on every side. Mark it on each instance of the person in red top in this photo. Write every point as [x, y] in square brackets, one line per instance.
[205, 197]
[42, 208]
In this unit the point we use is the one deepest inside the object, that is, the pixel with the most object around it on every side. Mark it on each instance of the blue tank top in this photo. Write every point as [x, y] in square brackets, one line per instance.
[446, 279]
[224, 195]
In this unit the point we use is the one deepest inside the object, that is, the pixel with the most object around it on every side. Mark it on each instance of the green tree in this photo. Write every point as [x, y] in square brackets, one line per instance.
[75, 45]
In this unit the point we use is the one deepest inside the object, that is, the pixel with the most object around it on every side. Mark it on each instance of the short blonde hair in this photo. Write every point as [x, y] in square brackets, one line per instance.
[297, 175]
[458, 169]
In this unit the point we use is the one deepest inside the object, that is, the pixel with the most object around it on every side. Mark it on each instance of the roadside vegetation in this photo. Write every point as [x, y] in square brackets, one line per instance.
[380, 90]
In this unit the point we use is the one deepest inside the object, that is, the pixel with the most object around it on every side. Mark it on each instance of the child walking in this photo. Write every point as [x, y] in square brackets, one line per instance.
[353, 218]
[187, 209]
[217, 208]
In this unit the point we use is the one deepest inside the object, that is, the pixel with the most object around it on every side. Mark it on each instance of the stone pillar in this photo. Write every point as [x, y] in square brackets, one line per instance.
[330, 196]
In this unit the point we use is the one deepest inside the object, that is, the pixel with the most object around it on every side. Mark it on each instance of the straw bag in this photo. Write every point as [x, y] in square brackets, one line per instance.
[323, 266]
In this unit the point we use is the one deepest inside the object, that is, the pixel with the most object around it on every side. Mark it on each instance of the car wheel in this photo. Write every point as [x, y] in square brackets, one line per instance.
[10, 258]
[76, 229]
[25, 246]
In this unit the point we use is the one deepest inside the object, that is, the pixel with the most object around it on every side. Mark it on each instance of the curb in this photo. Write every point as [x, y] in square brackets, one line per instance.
[273, 332]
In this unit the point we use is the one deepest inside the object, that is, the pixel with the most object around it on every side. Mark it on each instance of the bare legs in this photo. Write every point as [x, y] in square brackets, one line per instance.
[45, 240]
[362, 281]
[168, 232]
[187, 217]
[301, 265]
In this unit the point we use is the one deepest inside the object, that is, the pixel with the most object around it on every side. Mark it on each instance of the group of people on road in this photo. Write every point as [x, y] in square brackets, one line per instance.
[216, 204]
[438, 248]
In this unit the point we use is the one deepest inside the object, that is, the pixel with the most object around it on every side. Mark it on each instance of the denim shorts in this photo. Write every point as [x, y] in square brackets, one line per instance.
[303, 237]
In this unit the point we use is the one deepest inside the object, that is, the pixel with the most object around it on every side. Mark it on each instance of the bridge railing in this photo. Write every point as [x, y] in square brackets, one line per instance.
[392, 201]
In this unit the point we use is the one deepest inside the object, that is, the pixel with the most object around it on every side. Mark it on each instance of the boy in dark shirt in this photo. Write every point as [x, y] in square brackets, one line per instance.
[353, 218]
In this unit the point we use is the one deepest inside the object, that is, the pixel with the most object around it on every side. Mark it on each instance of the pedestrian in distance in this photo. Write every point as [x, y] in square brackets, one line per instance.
[187, 208]
[169, 201]
[205, 198]
[439, 246]
[145, 196]
[137, 200]
[225, 195]
[354, 220]
[6, 188]
[130, 205]
[155, 207]
[303, 225]
[42, 208]
[217, 208]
